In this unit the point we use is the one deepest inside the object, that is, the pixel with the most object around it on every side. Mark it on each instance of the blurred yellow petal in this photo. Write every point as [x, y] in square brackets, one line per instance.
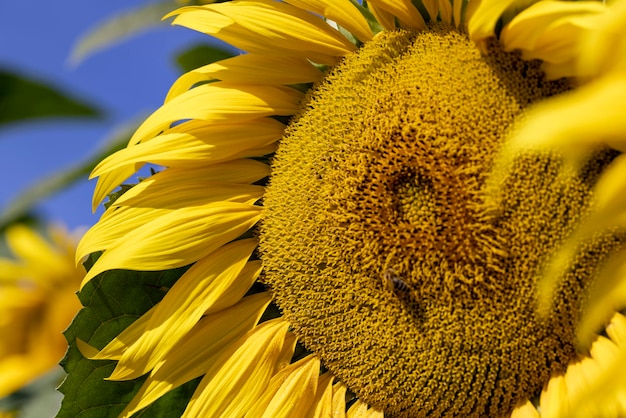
[341, 11]
[183, 306]
[37, 303]
[603, 50]
[237, 379]
[178, 238]
[591, 115]
[551, 31]
[290, 392]
[199, 350]
[606, 296]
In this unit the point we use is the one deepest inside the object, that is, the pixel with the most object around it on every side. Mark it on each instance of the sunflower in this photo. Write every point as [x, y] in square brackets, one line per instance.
[37, 303]
[403, 208]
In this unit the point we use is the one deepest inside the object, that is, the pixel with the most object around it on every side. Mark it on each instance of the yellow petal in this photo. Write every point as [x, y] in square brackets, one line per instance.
[361, 410]
[32, 250]
[183, 306]
[178, 238]
[118, 222]
[342, 12]
[339, 400]
[445, 11]
[290, 392]
[181, 186]
[116, 347]
[432, 7]
[273, 26]
[551, 31]
[592, 386]
[386, 19]
[457, 13]
[606, 296]
[604, 49]
[191, 144]
[591, 115]
[484, 14]
[404, 10]
[526, 410]
[220, 102]
[323, 403]
[199, 350]
[240, 375]
[250, 69]
[109, 181]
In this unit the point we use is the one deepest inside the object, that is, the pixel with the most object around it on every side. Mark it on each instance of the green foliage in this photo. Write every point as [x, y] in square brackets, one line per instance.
[23, 98]
[112, 301]
[200, 55]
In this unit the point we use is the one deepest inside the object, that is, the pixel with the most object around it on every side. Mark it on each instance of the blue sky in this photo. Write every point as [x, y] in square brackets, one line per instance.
[126, 81]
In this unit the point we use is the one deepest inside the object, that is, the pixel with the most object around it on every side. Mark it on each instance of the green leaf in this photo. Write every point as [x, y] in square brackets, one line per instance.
[120, 27]
[199, 55]
[19, 209]
[24, 98]
[112, 301]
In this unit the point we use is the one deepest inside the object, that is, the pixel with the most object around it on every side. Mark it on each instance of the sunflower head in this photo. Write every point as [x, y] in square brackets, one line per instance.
[402, 230]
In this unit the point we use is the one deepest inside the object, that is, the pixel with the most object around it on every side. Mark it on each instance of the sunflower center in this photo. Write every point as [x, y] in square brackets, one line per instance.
[379, 246]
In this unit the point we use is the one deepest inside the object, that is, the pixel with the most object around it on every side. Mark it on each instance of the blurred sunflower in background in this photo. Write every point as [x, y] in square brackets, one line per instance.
[37, 303]
[429, 192]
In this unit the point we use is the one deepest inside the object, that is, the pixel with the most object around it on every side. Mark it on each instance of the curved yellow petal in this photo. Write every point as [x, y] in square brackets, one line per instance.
[404, 10]
[605, 297]
[339, 400]
[192, 144]
[240, 375]
[445, 11]
[249, 69]
[591, 115]
[386, 19]
[484, 14]
[199, 350]
[220, 102]
[290, 392]
[183, 306]
[119, 221]
[116, 347]
[526, 410]
[178, 238]
[188, 193]
[361, 410]
[273, 26]
[603, 50]
[323, 403]
[109, 181]
[592, 386]
[551, 31]
[342, 12]
[32, 250]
